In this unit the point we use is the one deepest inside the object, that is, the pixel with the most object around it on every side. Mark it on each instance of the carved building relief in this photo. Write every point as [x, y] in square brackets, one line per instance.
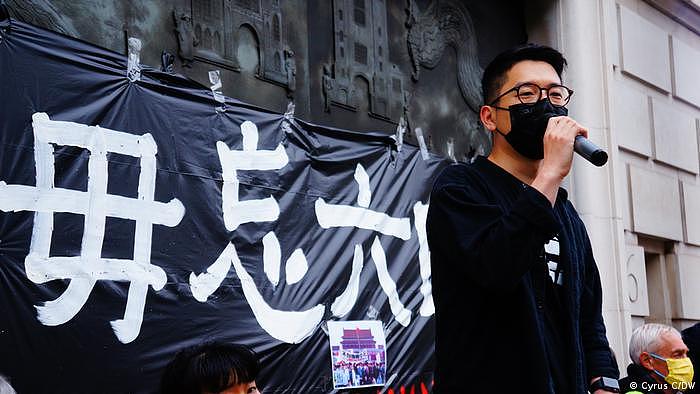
[43, 13]
[186, 40]
[442, 24]
[361, 57]
[430, 76]
[237, 33]
[430, 32]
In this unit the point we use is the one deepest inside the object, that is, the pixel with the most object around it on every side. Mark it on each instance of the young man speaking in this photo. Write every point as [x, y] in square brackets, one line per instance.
[516, 288]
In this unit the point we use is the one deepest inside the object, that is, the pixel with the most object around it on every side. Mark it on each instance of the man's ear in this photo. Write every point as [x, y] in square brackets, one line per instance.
[487, 115]
[645, 360]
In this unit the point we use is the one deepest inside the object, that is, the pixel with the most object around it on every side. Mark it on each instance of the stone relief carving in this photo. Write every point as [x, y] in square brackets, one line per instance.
[186, 40]
[209, 19]
[405, 111]
[167, 61]
[361, 54]
[217, 26]
[429, 32]
[327, 87]
[42, 13]
[291, 71]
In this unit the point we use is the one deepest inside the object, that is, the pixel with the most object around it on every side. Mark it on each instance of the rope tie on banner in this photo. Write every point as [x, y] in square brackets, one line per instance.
[421, 143]
[216, 85]
[133, 68]
[288, 117]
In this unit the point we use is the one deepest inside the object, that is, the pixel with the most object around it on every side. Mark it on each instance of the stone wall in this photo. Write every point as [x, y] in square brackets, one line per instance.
[655, 111]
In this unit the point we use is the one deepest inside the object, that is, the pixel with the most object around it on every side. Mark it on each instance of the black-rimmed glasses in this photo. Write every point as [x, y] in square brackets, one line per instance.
[531, 93]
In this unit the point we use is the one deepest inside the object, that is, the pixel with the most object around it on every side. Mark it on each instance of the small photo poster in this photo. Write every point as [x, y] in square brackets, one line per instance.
[358, 353]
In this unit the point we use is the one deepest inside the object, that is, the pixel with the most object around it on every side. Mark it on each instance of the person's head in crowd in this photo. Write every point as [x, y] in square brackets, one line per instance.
[5, 387]
[660, 350]
[214, 367]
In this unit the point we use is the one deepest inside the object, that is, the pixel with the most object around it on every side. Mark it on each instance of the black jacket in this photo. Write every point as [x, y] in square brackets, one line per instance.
[640, 380]
[485, 232]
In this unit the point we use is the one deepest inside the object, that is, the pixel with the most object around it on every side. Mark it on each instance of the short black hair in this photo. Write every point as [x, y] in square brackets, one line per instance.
[210, 367]
[495, 74]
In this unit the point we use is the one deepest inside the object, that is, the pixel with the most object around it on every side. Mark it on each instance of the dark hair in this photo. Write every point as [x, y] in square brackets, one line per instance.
[210, 367]
[495, 74]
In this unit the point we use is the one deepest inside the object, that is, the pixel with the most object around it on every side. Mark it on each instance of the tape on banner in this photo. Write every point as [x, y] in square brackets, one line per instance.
[288, 117]
[451, 149]
[133, 68]
[400, 131]
[216, 85]
[289, 114]
[421, 142]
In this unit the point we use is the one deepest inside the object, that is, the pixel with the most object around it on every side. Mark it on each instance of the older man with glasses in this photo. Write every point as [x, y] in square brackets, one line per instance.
[660, 363]
[516, 288]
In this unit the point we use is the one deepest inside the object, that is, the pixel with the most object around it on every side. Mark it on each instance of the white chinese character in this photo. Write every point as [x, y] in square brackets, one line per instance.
[96, 205]
[287, 326]
[330, 215]
[420, 215]
[250, 158]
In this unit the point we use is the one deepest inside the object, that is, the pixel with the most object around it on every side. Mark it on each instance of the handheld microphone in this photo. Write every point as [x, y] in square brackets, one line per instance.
[590, 151]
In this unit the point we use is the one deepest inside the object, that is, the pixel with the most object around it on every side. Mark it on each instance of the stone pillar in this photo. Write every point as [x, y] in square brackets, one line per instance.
[587, 29]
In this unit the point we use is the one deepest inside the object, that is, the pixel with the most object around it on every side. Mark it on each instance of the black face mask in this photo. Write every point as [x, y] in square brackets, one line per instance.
[528, 122]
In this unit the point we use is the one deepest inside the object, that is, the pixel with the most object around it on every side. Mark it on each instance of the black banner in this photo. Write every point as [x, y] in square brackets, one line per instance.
[139, 215]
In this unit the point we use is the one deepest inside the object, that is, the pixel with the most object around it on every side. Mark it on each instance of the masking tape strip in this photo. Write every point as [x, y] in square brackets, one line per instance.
[288, 117]
[133, 70]
[216, 85]
[421, 143]
[400, 131]
[451, 149]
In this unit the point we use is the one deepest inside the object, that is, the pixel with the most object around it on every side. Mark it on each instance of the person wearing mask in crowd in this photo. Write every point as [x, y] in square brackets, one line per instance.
[212, 368]
[660, 363]
[517, 291]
